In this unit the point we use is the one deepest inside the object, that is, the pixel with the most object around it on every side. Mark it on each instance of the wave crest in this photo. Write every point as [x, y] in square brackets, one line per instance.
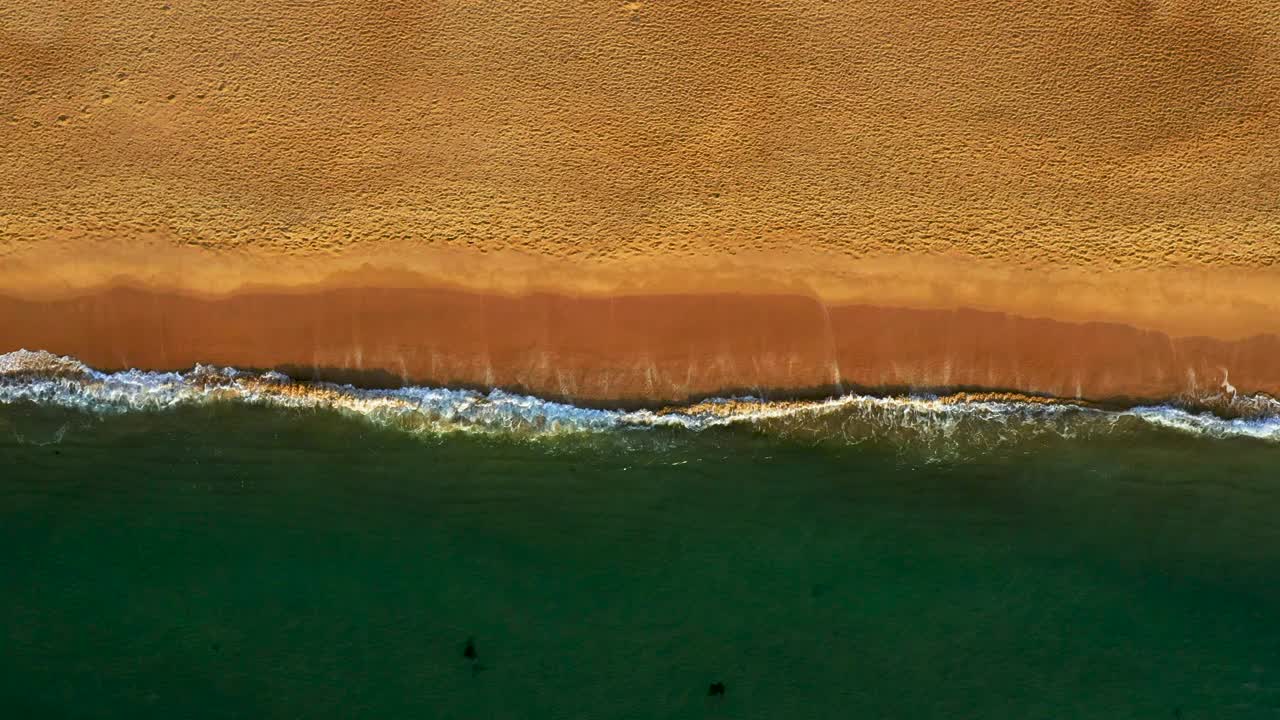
[939, 423]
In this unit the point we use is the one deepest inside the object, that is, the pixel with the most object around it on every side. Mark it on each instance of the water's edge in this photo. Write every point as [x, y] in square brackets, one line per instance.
[974, 420]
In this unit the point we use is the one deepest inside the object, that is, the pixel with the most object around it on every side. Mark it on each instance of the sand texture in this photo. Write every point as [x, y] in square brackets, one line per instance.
[1067, 164]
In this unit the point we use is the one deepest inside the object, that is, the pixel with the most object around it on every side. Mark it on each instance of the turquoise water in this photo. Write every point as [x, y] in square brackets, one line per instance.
[229, 560]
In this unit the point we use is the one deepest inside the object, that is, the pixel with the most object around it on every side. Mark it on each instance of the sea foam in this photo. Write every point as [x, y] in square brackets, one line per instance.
[936, 422]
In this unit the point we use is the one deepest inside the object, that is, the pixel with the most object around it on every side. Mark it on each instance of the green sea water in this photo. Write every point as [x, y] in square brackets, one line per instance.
[230, 561]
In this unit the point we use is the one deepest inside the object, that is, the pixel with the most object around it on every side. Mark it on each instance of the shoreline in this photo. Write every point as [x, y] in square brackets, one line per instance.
[636, 350]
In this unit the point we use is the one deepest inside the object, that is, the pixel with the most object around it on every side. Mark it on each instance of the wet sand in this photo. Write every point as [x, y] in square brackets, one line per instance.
[643, 349]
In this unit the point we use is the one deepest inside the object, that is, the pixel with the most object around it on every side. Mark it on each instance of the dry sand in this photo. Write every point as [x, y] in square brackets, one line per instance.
[1053, 197]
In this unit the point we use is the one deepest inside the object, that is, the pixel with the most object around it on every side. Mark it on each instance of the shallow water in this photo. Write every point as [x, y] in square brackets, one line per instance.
[233, 560]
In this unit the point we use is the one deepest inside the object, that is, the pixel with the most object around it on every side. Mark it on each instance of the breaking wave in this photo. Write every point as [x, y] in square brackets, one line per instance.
[975, 422]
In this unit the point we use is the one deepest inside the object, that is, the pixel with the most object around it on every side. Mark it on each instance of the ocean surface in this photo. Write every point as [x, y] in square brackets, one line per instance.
[232, 544]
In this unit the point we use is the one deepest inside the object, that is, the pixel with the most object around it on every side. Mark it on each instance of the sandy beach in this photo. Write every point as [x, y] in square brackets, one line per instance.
[650, 202]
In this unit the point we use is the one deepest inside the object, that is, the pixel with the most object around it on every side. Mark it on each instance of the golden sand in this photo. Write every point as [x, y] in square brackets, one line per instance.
[1078, 163]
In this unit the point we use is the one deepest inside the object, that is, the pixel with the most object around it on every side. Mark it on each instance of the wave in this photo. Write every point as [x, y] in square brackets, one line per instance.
[939, 423]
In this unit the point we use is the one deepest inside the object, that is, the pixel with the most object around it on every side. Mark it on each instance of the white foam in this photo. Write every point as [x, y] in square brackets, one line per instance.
[941, 424]
[1208, 424]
